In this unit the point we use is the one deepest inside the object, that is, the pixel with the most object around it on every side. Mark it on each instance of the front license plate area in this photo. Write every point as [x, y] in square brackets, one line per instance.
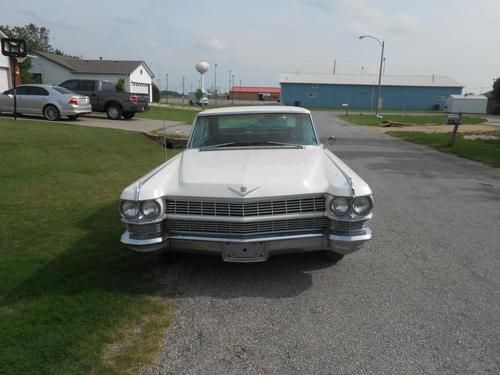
[244, 252]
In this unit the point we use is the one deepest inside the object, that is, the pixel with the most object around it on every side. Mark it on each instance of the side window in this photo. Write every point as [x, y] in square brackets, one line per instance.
[40, 91]
[88, 85]
[21, 90]
[72, 85]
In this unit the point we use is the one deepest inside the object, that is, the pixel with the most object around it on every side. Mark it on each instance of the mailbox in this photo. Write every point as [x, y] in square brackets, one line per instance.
[453, 118]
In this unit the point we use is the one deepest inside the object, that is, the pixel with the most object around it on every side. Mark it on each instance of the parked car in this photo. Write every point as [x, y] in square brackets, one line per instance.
[193, 100]
[105, 98]
[252, 183]
[50, 101]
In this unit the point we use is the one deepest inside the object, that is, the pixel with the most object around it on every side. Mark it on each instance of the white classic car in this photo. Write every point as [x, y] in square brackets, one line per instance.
[252, 183]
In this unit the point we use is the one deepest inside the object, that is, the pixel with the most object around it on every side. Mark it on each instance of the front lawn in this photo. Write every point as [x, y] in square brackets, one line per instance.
[73, 300]
[486, 151]
[169, 113]
[410, 119]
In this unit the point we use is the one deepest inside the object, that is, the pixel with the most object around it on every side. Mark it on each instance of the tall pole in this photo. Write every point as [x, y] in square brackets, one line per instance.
[167, 88]
[183, 78]
[229, 85]
[14, 61]
[215, 82]
[334, 65]
[382, 44]
[232, 96]
[380, 78]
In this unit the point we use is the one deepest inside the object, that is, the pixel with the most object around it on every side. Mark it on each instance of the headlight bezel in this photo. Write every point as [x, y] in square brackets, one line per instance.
[335, 210]
[362, 212]
[141, 215]
[132, 204]
[156, 206]
[351, 212]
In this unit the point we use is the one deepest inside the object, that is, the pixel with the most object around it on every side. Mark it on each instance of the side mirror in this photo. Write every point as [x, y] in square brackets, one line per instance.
[332, 140]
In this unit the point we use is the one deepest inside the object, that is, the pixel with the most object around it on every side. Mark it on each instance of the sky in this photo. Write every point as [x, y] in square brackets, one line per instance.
[257, 40]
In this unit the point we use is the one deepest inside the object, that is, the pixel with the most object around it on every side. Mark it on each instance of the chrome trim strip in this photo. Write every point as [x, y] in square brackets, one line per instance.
[244, 200]
[125, 239]
[245, 240]
[368, 235]
[346, 176]
[246, 219]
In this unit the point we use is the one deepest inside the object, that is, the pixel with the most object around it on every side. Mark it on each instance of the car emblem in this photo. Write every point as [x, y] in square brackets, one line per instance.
[242, 190]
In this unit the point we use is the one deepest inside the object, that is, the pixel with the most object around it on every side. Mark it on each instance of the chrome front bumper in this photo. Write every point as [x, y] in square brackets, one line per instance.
[259, 248]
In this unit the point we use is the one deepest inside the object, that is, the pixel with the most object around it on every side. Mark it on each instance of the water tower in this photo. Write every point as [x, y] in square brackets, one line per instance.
[202, 68]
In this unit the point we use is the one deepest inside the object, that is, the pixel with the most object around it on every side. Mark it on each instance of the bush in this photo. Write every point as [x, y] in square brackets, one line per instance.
[120, 85]
[156, 94]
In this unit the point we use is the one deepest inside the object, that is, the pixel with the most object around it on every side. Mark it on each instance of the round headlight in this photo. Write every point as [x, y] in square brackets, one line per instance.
[150, 209]
[340, 206]
[129, 209]
[362, 205]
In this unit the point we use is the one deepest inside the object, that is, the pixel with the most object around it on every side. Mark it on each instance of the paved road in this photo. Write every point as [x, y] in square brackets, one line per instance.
[423, 297]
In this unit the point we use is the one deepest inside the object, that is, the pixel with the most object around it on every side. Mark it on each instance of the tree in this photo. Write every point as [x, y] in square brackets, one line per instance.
[496, 90]
[156, 94]
[37, 39]
[120, 85]
[198, 95]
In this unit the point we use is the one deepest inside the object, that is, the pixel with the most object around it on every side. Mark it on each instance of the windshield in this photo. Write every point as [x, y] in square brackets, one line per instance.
[259, 129]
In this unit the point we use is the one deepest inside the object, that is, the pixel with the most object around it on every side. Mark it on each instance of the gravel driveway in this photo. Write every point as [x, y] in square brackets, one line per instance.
[423, 297]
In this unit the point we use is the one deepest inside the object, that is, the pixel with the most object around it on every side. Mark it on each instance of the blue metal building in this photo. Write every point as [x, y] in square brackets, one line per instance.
[360, 91]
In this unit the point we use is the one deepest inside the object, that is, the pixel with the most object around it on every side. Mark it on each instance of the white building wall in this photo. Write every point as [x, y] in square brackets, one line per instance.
[140, 82]
[5, 72]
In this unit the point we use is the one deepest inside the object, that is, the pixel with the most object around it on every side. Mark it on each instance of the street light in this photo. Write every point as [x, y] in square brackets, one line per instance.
[382, 44]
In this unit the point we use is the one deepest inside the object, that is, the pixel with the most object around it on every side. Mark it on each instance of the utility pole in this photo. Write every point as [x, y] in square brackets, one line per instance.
[215, 82]
[232, 96]
[183, 78]
[167, 88]
[229, 85]
[334, 65]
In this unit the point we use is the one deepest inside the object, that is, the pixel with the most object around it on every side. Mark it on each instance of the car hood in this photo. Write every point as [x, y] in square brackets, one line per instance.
[249, 173]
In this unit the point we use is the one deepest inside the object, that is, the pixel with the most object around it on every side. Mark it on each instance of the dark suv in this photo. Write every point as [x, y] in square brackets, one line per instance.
[104, 98]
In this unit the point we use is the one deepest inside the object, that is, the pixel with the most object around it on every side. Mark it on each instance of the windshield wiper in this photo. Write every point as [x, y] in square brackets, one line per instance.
[220, 145]
[283, 144]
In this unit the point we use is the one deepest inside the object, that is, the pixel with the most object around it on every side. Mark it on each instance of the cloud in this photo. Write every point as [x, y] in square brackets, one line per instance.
[214, 44]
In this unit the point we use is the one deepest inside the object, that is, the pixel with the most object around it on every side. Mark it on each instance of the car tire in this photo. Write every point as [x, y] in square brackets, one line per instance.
[114, 111]
[331, 256]
[73, 117]
[51, 113]
[128, 115]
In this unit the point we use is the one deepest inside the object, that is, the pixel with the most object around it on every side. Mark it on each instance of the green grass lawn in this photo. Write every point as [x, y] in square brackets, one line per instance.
[486, 151]
[70, 293]
[410, 119]
[169, 113]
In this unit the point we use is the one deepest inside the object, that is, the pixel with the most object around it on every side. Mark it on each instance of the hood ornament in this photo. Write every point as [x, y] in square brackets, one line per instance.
[242, 190]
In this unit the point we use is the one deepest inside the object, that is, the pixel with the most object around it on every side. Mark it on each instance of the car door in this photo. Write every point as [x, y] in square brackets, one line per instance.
[9, 99]
[35, 99]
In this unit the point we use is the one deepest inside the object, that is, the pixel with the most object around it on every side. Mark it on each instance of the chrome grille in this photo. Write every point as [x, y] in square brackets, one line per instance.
[347, 227]
[218, 227]
[146, 231]
[245, 209]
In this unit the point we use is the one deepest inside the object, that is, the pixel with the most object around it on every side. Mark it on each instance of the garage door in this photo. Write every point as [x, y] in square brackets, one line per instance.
[139, 88]
[4, 79]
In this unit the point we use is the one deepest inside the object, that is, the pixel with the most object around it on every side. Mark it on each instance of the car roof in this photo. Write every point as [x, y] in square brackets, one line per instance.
[45, 86]
[253, 109]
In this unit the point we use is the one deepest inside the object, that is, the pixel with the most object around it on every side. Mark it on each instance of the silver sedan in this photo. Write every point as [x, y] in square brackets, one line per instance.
[53, 102]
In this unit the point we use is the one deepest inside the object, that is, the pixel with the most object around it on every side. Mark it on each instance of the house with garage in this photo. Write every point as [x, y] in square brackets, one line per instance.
[54, 69]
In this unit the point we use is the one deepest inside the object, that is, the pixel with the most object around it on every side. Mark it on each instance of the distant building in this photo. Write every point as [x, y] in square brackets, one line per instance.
[255, 93]
[55, 69]
[360, 91]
